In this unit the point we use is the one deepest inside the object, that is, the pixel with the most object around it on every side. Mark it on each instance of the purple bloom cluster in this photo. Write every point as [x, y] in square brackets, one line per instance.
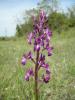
[28, 74]
[25, 57]
[40, 38]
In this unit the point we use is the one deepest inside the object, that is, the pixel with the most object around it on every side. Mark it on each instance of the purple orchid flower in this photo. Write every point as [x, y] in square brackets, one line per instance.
[46, 78]
[29, 55]
[30, 38]
[48, 34]
[47, 71]
[23, 61]
[27, 77]
[28, 74]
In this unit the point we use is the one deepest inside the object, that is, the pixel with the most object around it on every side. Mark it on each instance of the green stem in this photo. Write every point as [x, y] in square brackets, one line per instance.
[36, 76]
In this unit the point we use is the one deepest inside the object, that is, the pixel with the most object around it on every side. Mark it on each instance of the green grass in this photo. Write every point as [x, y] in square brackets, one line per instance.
[62, 64]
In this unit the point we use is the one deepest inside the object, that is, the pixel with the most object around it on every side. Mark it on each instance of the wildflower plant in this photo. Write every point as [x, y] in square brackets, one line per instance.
[40, 39]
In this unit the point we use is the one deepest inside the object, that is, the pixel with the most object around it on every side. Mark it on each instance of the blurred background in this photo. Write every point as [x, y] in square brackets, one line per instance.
[15, 15]
[15, 24]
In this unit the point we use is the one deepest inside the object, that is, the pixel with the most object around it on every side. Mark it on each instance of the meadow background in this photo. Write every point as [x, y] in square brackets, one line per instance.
[62, 63]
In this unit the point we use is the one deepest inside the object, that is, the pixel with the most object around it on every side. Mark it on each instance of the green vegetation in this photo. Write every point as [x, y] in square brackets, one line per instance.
[62, 64]
[58, 21]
